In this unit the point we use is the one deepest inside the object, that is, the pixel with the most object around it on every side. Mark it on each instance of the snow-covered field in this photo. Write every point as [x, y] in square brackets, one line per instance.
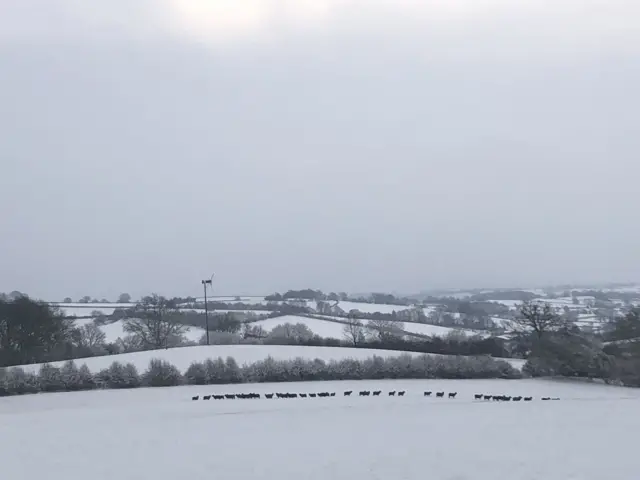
[247, 300]
[114, 331]
[324, 328]
[333, 329]
[439, 331]
[512, 304]
[214, 312]
[409, 327]
[161, 434]
[371, 307]
[86, 309]
[184, 356]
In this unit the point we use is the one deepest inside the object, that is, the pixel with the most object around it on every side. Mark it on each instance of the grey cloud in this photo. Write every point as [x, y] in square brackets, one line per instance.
[354, 162]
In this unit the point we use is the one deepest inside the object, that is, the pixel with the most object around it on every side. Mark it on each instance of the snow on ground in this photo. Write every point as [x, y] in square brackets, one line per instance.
[627, 289]
[183, 357]
[561, 302]
[248, 300]
[429, 310]
[324, 328]
[194, 334]
[81, 322]
[419, 328]
[503, 322]
[513, 304]
[114, 331]
[86, 309]
[371, 307]
[213, 312]
[92, 305]
[162, 435]
[536, 291]
[439, 331]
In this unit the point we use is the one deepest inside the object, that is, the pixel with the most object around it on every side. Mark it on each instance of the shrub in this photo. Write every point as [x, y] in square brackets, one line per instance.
[215, 370]
[3, 386]
[131, 377]
[221, 338]
[196, 374]
[50, 379]
[18, 382]
[119, 376]
[161, 374]
[232, 372]
[70, 376]
[86, 380]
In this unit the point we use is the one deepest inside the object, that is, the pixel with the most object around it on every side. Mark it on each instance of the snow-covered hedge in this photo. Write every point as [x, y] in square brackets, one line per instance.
[15, 381]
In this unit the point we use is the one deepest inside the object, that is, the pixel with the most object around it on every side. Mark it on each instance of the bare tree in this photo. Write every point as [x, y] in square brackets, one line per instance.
[155, 321]
[299, 332]
[385, 329]
[129, 343]
[252, 331]
[91, 336]
[537, 319]
[354, 331]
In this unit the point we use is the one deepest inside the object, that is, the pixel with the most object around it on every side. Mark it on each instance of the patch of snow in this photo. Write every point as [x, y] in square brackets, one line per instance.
[194, 334]
[113, 331]
[502, 322]
[81, 322]
[512, 304]
[428, 310]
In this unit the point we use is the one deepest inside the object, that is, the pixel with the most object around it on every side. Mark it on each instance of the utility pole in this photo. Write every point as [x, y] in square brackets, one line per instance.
[206, 308]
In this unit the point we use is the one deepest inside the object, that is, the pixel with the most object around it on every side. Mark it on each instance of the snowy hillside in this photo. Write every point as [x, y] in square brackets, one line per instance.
[409, 327]
[371, 307]
[438, 331]
[161, 434]
[114, 331]
[87, 309]
[323, 328]
[183, 357]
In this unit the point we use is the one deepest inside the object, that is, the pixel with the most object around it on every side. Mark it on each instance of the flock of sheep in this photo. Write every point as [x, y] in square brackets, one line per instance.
[363, 393]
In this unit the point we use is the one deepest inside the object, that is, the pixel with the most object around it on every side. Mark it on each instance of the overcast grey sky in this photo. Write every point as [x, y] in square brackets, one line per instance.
[350, 145]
